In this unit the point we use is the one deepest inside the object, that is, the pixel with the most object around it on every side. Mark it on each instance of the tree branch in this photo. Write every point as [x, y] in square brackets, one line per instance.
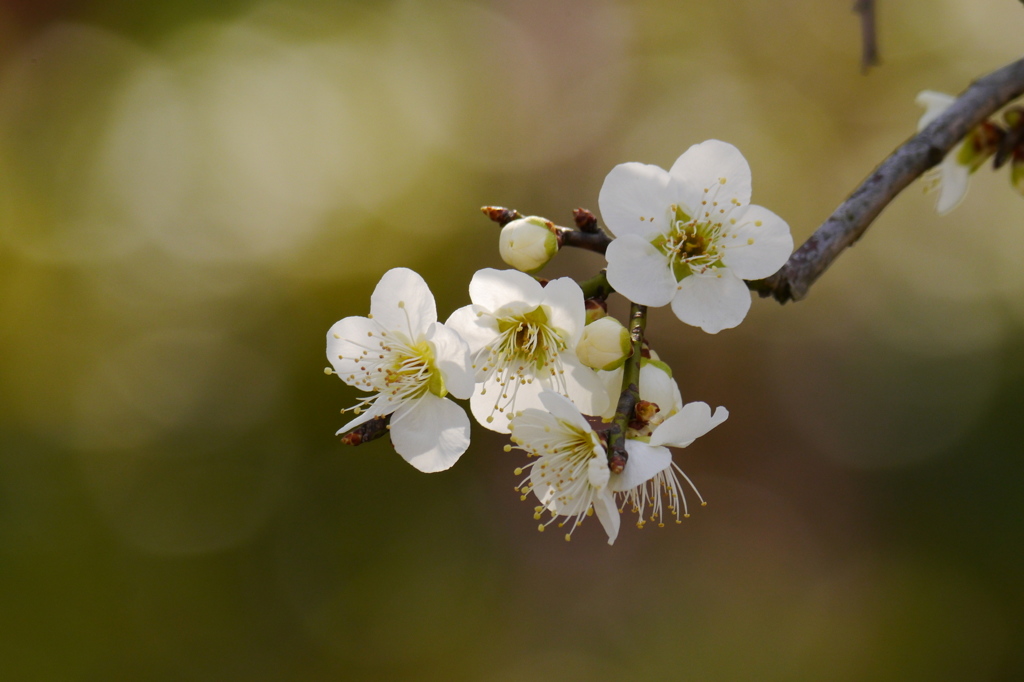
[625, 411]
[926, 149]
[869, 34]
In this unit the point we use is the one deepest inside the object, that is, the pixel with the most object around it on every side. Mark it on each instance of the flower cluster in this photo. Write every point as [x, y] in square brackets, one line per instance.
[583, 395]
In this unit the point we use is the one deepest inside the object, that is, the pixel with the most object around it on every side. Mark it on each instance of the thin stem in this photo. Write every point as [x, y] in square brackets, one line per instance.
[926, 149]
[630, 396]
[597, 286]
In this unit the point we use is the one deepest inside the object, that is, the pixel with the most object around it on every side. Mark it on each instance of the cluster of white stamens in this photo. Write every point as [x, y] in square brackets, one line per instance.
[695, 244]
[563, 471]
[390, 364]
[525, 350]
[661, 493]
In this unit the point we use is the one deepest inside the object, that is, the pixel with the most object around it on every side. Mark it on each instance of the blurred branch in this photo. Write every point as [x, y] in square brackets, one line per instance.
[869, 36]
[926, 149]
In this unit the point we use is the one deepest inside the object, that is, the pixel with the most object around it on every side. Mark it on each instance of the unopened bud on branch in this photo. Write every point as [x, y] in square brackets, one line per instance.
[528, 244]
[605, 344]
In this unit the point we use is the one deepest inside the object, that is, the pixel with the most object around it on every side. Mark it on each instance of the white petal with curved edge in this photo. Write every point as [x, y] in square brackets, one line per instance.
[714, 301]
[431, 433]
[491, 289]
[564, 301]
[644, 462]
[584, 387]
[562, 408]
[608, 514]
[476, 329]
[692, 422]
[635, 199]
[758, 244]
[379, 408]
[704, 165]
[451, 355]
[345, 342]
[402, 302]
[953, 183]
[482, 405]
[638, 271]
[934, 103]
[657, 387]
[612, 382]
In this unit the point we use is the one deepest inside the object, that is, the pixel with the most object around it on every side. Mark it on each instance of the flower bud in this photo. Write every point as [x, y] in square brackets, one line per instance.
[605, 344]
[528, 244]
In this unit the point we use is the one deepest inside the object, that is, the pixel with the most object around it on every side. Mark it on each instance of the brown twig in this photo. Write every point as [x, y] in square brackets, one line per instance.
[367, 431]
[625, 411]
[868, 34]
[926, 149]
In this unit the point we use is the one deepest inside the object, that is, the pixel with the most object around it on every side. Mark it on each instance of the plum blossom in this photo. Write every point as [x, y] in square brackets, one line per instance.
[663, 492]
[660, 425]
[522, 339]
[410, 362]
[689, 236]
[570, 475]
[571, 478]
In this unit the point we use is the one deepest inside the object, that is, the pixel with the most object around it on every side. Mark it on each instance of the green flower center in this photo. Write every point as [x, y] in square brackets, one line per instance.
[528, 339]
[414, 372]
[691, 245]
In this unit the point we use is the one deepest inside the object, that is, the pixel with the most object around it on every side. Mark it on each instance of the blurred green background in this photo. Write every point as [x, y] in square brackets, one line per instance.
[191, 193]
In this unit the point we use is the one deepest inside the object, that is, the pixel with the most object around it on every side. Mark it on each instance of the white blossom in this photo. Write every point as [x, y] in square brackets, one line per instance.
[570, 475]
[689, 236]
[659, 496]
[410, 362]
[522, 339]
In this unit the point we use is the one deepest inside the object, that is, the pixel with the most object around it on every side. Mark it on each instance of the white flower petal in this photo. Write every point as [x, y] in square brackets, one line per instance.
[657, 387]
[563, 299]
[343, 351]
[934, 103]
[379, 408]
[758, 244]
[692, 422]
[562, 408]
[451, 356]
[486, 396]
[644, 462]
[635, 199]
[612, 382]
[714, 301]
[402, 302]
[491, 289]
[476, 329]
[704, 165]
[638, 271]
[608, 514]
[431, 433]
[953, 184]
[598, 472]
[583, 385]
